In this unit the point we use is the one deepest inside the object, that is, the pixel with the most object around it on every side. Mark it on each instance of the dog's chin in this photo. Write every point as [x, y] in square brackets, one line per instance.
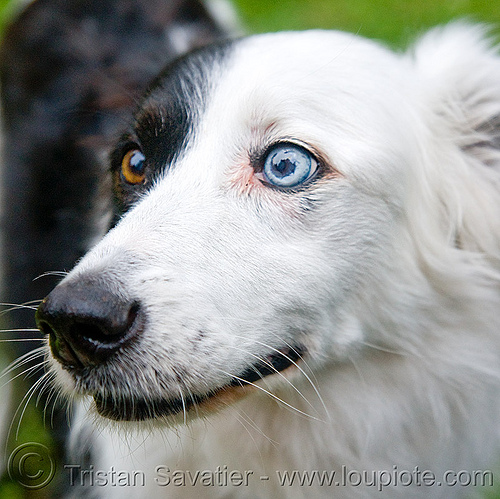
[144, 409]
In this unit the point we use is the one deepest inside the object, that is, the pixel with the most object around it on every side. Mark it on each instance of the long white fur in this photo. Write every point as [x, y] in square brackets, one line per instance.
[391, 281]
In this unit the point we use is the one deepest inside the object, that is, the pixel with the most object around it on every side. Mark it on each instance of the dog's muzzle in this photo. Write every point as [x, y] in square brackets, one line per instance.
[87, 322]
[90, 325]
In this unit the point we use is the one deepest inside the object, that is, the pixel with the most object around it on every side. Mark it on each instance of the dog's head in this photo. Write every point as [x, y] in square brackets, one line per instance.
[287, 199]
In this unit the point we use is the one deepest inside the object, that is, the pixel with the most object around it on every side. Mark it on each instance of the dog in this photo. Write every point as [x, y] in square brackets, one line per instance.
[299, 294]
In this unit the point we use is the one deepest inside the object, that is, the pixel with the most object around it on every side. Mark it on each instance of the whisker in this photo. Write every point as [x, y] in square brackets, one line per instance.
[22, 360]
[13, 340]
[58, 396]
[313, 385]
[304, 361]
[247, 420]
[49, 389]
[24, 402]
[190, 394]
[21, 330]
[277, 372]
[184, 412]
[384, 349]
[272, 395]
[195, 404]
[52, 273]
[47, 386]
[69, 400]
[23, 304]
[29, 371]
[14, 306]
[31, 393]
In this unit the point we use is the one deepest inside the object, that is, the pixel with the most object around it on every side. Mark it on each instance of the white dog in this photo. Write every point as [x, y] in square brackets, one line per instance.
[305, 277]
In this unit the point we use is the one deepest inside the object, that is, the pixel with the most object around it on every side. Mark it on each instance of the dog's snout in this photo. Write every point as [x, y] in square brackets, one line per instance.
[87, 323]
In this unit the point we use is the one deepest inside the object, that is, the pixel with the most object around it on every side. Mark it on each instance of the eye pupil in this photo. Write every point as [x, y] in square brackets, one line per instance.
[137, 163]
[285, 167]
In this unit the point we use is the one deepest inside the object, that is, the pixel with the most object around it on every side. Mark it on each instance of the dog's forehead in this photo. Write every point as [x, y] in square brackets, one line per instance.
[305, 66]
[331, 73]
[236, 98]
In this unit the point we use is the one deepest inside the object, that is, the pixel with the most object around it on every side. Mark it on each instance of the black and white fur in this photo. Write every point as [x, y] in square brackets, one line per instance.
[349, 321]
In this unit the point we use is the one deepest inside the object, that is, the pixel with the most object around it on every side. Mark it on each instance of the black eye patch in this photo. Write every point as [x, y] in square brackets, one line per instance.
[166, 119]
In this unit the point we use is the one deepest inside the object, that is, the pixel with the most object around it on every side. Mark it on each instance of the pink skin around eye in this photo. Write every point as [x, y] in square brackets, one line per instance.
[244, 179]
[245, 182]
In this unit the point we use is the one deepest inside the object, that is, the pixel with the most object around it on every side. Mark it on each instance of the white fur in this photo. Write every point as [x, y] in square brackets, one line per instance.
[391, 280]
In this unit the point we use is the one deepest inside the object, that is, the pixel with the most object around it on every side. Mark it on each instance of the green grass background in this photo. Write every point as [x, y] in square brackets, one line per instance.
[395, 21]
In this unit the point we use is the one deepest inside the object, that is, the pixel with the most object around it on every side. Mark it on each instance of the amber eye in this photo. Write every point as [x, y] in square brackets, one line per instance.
[133, 167]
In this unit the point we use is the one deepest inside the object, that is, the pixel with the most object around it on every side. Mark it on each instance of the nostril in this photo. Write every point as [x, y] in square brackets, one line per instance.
[45, 329]
[113, 329]
[59, 347]
[132, 315]
[90, 332]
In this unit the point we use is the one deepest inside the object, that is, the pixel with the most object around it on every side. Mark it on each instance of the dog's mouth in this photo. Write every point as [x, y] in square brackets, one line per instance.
[137, 409]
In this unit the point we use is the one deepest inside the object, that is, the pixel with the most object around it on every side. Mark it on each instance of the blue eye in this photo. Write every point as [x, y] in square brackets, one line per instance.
[289, 165]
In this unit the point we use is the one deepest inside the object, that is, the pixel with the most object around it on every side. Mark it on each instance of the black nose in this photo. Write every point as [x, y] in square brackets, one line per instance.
[87, 322]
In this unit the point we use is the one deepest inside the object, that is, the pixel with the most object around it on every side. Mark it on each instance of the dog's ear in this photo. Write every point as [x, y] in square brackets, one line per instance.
[458, 75]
